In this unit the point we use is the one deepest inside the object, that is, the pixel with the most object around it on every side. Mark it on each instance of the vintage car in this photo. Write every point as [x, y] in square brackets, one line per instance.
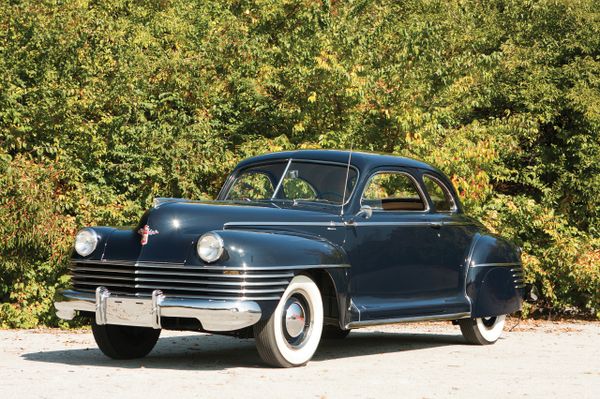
[298, 246]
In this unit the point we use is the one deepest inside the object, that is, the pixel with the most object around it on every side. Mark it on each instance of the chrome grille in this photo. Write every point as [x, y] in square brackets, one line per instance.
[177, 279]
[518, 277]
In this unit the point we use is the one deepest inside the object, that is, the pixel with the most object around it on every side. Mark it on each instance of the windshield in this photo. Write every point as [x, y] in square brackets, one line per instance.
[303, 181]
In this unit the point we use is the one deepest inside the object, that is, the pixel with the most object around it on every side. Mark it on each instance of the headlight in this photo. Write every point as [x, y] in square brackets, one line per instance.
[86, 241]
[210, 247]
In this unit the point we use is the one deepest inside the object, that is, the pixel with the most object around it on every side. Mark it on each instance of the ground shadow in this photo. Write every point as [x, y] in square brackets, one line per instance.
[213, 352]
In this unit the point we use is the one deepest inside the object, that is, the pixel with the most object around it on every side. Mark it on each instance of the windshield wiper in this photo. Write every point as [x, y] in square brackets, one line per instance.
[316, 201]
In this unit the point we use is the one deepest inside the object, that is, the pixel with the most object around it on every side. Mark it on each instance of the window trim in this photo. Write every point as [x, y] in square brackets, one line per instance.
[421, 193]
[454, 207]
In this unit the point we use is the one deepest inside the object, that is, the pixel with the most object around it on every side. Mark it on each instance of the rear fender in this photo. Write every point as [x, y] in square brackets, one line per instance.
[494, 282]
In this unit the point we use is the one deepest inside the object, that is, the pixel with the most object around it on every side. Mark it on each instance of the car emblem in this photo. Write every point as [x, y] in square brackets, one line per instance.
[145, 232]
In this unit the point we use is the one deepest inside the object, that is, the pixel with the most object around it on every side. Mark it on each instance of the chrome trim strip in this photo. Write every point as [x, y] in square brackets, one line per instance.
[249, 291]
[104, 262]
[187, 296]
[323, 224]
[341, 224]
[366, 323]
[223, 290]
[498, 264]
[82, 268]
[183, 266]
[78, 279]
[214, 275]
[97, 283]
[77, 276]
[211, 282]
[276, 268]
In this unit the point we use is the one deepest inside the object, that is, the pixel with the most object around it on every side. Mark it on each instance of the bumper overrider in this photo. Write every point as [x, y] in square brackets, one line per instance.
[213, 315]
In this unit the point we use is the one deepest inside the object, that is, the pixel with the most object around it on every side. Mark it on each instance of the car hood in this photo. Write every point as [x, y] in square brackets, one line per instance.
[174, 227]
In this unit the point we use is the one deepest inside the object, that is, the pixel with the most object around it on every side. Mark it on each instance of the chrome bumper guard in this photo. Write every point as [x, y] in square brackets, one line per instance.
[214, 315]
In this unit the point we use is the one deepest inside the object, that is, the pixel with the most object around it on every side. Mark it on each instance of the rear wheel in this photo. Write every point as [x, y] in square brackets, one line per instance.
[291, 335]
[482, 331]
[124, 342]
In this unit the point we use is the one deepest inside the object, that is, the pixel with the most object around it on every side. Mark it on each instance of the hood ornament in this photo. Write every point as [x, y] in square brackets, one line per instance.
[145, 232]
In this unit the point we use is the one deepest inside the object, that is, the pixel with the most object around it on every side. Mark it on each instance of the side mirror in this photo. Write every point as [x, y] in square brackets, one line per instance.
[365, 212]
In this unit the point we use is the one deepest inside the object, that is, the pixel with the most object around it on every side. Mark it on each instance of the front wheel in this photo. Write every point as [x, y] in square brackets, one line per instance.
[291, 335]
[124, 342]
[483, 330]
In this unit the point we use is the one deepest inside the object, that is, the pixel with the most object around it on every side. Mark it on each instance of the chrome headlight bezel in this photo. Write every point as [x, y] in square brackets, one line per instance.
[210, 247]
[86, 241]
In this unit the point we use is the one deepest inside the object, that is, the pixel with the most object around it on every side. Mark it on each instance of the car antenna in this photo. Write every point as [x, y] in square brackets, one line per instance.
[346, 181]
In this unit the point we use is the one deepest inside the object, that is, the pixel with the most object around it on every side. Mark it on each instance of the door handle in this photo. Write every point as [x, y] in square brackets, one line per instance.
[435, 225]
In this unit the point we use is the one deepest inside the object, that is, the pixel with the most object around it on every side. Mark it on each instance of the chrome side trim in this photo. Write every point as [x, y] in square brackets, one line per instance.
[214, 315]
[341, 224]
[499, 264]
[323, 224]
[366, 323]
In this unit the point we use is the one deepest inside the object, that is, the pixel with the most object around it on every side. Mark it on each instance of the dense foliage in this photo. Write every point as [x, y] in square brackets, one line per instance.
[105, 104]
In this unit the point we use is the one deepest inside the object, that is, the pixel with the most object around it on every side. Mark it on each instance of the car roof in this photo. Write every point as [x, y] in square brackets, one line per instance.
[360, 159]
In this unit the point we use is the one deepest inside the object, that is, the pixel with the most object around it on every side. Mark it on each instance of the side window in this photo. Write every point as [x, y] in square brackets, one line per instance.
[392, 191]
[441, 198]
[251, 185]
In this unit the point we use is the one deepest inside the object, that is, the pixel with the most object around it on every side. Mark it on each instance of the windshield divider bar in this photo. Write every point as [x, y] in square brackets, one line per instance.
[281, 179]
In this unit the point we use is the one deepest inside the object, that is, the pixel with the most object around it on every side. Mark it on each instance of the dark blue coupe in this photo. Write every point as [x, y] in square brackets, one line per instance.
[298, 246]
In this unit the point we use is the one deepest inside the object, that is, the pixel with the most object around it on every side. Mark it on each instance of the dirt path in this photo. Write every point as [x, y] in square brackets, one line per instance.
[535, 360]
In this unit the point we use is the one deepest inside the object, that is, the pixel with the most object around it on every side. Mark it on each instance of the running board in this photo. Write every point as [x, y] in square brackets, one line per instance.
[376, 322]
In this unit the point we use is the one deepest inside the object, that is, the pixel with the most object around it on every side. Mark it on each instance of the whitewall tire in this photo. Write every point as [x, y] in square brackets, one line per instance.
[483, 330]
[291, 335]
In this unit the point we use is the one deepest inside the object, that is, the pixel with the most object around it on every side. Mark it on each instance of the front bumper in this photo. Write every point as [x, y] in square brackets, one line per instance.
[213, 315]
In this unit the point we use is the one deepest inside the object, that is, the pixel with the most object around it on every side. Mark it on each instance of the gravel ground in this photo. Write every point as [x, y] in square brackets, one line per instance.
[430, 360]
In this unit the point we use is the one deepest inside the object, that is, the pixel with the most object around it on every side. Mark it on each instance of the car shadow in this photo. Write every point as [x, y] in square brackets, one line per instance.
[214, 352]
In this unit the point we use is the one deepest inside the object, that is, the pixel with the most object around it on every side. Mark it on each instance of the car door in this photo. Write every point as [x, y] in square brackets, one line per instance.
[399, 269]
[456, 233]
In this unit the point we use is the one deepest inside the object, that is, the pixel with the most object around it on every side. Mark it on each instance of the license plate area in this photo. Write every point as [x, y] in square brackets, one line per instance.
[130, 312]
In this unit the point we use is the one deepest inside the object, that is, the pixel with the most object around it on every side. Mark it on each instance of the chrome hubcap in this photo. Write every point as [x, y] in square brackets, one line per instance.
[295, 318]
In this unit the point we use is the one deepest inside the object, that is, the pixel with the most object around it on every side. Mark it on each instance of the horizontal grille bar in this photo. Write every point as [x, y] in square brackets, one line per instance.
[82, 268]
[179, 280]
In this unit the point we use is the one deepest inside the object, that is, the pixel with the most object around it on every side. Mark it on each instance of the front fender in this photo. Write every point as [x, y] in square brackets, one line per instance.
[289, 252]
[495, 277]
[252, 249]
